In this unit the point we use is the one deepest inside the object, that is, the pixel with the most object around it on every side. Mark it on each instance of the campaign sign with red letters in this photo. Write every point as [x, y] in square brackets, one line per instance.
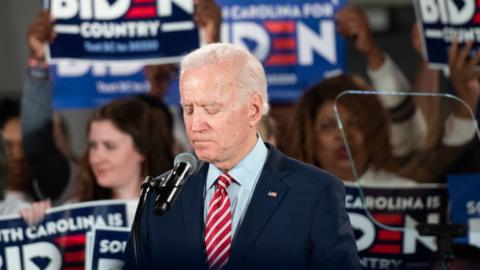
[155, 31]
[443, 21]
[296, 41]
[386, 237]
[58, 241]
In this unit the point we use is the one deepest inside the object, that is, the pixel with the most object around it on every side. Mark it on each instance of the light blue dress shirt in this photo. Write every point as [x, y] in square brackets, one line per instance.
[246, 174]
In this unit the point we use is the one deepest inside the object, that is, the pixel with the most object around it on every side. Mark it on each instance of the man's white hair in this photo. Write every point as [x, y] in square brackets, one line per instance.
[250, 77]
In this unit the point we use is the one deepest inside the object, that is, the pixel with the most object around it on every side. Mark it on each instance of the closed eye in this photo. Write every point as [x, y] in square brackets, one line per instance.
[188, 109]
[212, 110]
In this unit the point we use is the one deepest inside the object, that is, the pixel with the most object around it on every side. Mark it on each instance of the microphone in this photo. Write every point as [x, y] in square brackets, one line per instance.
[185, 164]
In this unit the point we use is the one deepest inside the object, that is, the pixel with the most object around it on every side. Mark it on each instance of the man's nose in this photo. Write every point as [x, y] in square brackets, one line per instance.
[199, 121]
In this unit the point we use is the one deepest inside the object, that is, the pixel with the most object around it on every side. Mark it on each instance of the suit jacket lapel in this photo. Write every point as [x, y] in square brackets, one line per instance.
[192, 203]
[268, 194]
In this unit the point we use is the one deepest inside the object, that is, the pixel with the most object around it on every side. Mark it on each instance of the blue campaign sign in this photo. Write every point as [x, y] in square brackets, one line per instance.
[296, 41]
[157, 31]
[446, 20]
[463, 190]
[108, 245]
[386, 237]
[58, 242]
[89, 85]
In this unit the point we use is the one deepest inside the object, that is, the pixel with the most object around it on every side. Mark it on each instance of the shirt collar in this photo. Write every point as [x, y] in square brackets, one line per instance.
[246, 171]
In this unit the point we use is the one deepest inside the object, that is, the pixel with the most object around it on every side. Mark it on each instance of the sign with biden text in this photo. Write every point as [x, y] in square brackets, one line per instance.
[78, 84]
[384, 219]
[157, 31]
[444, 21]
[296, 41]
[58, 241]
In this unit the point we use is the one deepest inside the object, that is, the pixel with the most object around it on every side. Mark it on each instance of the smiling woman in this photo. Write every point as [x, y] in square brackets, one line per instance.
[316, 138]
[128, 140]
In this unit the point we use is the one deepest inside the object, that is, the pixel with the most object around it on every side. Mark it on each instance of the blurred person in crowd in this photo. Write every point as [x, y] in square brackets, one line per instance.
[47, 163]
[20, 187]
[9, 202]
[465, 79]
[127, 140]
[416, 121]
[385, 75]
[455, 149]
[461, 128]
[19, 183]
[315, 138]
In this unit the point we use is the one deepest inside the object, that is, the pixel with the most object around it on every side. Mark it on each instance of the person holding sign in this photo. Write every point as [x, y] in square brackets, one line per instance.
[385, 75]
[127, 140]
[461, 137]
[315, 138]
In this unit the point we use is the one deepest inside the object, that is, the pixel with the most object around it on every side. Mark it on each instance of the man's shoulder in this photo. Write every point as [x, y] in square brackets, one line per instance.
[304, 174]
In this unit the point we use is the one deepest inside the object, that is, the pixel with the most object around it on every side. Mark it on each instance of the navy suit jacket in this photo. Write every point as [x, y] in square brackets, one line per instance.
[305, 226]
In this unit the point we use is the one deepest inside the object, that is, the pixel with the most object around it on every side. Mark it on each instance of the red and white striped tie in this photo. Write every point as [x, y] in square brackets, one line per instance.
[218, 230]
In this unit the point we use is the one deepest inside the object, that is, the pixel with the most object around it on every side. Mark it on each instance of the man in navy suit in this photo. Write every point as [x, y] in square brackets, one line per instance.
[248, 206]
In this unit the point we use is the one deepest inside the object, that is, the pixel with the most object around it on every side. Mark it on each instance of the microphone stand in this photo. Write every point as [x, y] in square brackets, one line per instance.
[444, 233]
[147, 185]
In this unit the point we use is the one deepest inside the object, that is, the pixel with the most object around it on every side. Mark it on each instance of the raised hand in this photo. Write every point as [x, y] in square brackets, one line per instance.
[464, 76]
[353, 25]
[35, 212]
[209, 17]
[39, 33]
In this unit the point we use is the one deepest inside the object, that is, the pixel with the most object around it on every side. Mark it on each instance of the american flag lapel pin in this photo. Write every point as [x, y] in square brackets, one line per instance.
[272, 194]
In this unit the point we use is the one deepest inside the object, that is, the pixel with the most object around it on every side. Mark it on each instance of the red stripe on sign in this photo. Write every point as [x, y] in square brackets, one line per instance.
[73, 268]
[72, 240]
[74, 256]
[282, 59]
[476, 19]
[284, 43]
[389, 219]
[386, 249]
[141, 12]
[389, 235]
[279, 27]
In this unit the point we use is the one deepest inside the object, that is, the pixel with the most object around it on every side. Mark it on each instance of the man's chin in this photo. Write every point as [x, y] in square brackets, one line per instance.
[204, 155]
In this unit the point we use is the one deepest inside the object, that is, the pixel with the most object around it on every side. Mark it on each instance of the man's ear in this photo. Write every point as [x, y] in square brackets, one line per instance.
[255, 109]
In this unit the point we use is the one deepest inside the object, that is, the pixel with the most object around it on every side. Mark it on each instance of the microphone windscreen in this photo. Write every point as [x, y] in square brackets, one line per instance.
[189, 159]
